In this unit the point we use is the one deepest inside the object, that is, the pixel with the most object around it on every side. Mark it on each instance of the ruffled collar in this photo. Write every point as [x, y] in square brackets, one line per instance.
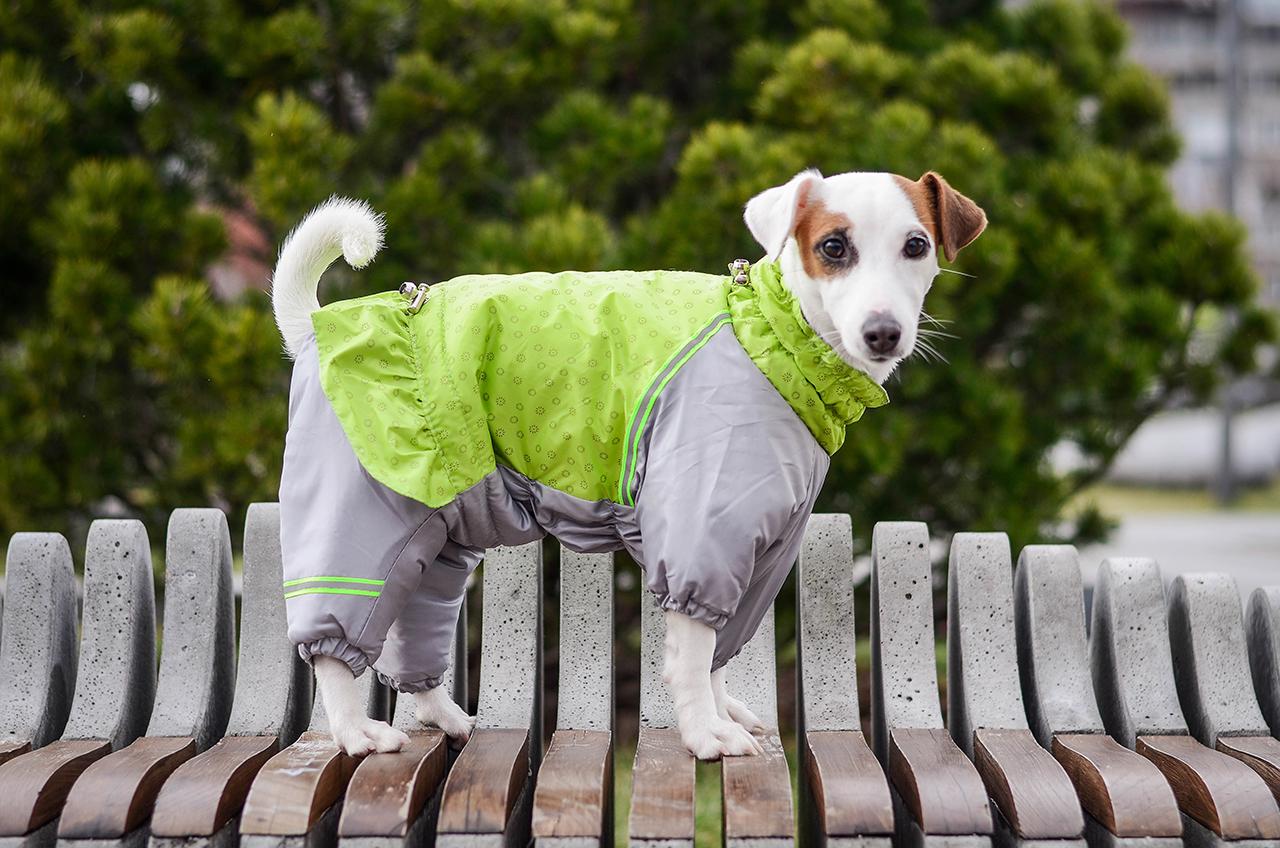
[826, 392]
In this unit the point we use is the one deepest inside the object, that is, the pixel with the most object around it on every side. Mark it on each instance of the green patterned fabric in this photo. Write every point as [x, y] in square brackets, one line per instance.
[555, 375]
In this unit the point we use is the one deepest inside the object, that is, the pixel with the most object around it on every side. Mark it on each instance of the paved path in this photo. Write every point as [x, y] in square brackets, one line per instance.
[1245, 545]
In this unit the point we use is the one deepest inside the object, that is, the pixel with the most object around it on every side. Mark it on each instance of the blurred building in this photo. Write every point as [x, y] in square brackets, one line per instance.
[1196, 47]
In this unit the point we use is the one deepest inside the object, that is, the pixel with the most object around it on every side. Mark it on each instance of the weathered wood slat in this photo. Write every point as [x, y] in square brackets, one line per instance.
[1125, 792]
[848, 784]
[756, 794]
[207, 791]
[939, 785]
[570, 799]
[36, 785]
[662, 787]
[1216, 790]
[9, 750]
[1260, 753]
[1030, 788]
[296, 786]
[388, 791]
[485, 781]
[115, 794]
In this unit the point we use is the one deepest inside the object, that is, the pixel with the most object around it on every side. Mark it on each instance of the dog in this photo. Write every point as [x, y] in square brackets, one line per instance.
[687, 418]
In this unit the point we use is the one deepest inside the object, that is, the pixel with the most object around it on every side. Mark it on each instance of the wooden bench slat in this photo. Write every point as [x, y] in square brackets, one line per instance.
[115, 794]
[16, 748]
[756, 794]
[1260, 753]
[937, 782]
[1125, 792]
[296, 786]
[662, 786]
[1215, 789]
[388, 791]
[570, 798]
[848, 784]
[485, 781]
[207, 791]
[1032, 791]
[35, 785]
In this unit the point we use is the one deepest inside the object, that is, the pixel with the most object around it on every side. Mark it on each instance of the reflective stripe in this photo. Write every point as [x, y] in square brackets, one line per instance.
[329, 590]
[640, 418]
[365, 580]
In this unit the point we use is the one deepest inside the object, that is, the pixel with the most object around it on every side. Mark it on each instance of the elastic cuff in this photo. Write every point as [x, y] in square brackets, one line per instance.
[408, 687]
[338, 648]
[710, 616]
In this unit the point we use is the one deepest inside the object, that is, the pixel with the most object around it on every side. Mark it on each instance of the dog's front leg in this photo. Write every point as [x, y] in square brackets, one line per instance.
[353, 731]
[730, 708]
[687, 656]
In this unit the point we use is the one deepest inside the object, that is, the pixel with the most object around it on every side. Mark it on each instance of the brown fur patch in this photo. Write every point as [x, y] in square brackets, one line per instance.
[814, 222]
[922, 201]
[951, 218]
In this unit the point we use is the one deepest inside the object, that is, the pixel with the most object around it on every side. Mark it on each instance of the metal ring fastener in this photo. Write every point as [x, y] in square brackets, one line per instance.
[738, 270]
[416, 294]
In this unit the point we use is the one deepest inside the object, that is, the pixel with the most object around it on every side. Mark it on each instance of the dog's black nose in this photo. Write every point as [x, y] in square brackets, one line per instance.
[881, 334]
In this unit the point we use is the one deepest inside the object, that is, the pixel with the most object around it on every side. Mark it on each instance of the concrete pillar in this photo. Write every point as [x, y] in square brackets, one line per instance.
[1263, 626]
[38, 643]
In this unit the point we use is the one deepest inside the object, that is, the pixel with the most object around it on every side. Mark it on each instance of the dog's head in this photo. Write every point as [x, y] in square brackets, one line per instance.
[860, 252]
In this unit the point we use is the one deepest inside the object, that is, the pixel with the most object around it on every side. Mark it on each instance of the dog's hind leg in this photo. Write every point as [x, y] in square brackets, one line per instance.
[730, 708]
[353, 730]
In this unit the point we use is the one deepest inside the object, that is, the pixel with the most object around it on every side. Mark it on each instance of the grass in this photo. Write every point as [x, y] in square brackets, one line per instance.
[1119, 500]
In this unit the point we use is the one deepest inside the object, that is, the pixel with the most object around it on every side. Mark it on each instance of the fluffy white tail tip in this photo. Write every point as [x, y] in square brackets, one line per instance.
[338, 226]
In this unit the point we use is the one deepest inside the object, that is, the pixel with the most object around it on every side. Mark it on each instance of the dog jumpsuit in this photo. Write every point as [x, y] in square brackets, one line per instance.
[686, 418]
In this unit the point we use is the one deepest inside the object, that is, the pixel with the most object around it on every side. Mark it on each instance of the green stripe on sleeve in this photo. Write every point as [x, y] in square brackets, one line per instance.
[329, 590]
[364, 580]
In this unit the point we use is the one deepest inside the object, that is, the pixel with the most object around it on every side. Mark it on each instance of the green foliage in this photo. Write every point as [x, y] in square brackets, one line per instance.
[512, 135]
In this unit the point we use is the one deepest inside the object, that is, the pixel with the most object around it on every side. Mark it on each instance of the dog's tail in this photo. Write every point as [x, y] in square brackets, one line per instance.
[336, 227]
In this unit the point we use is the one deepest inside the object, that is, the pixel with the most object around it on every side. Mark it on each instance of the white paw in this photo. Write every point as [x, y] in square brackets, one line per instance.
[712, 738]
[435, 708]
[362, 736]
[731, 709]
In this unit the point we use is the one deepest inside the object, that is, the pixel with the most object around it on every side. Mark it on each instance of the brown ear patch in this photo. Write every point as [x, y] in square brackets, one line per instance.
[814, 221]
[952, 219]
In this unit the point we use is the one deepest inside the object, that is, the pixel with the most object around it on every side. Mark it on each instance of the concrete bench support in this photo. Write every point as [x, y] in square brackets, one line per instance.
[844, 795]
[573, 805]
[199, 805]
[488, 795]
[112, 801]
[939, 798]
[1221, 799]
[1127, 801]
[1211, 662]
[115, 684]
[1032, 795]
[37, 644]
[1263, 626]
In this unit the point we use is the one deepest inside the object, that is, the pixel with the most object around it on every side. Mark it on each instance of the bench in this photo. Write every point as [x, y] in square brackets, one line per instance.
[1152, 725]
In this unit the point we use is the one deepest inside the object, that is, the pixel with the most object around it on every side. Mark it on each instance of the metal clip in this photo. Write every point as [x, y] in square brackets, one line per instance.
[738, 270]
[416, 294]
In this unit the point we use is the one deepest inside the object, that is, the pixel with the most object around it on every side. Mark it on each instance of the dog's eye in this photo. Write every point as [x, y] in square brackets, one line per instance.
[833, 248]
[915, 247]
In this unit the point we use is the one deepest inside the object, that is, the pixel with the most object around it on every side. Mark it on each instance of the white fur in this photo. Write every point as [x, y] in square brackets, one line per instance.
[337, 227]
[882, 280]
[353, 731]
[686, 669]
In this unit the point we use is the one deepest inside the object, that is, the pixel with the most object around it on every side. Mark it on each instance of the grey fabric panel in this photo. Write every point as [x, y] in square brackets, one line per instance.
[336, 520]
[420, 643]
[729, 476]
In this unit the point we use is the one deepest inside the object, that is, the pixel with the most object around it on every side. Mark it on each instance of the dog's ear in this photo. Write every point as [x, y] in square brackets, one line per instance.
[771, 214]
[957, 219]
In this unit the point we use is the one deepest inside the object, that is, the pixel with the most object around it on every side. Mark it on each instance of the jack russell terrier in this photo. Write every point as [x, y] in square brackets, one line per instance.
[686, 418]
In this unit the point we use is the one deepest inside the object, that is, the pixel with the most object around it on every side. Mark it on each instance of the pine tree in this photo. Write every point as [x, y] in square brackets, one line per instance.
[504, 135]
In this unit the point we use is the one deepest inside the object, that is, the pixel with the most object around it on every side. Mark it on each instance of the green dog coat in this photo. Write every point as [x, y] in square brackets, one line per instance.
[685, 417]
